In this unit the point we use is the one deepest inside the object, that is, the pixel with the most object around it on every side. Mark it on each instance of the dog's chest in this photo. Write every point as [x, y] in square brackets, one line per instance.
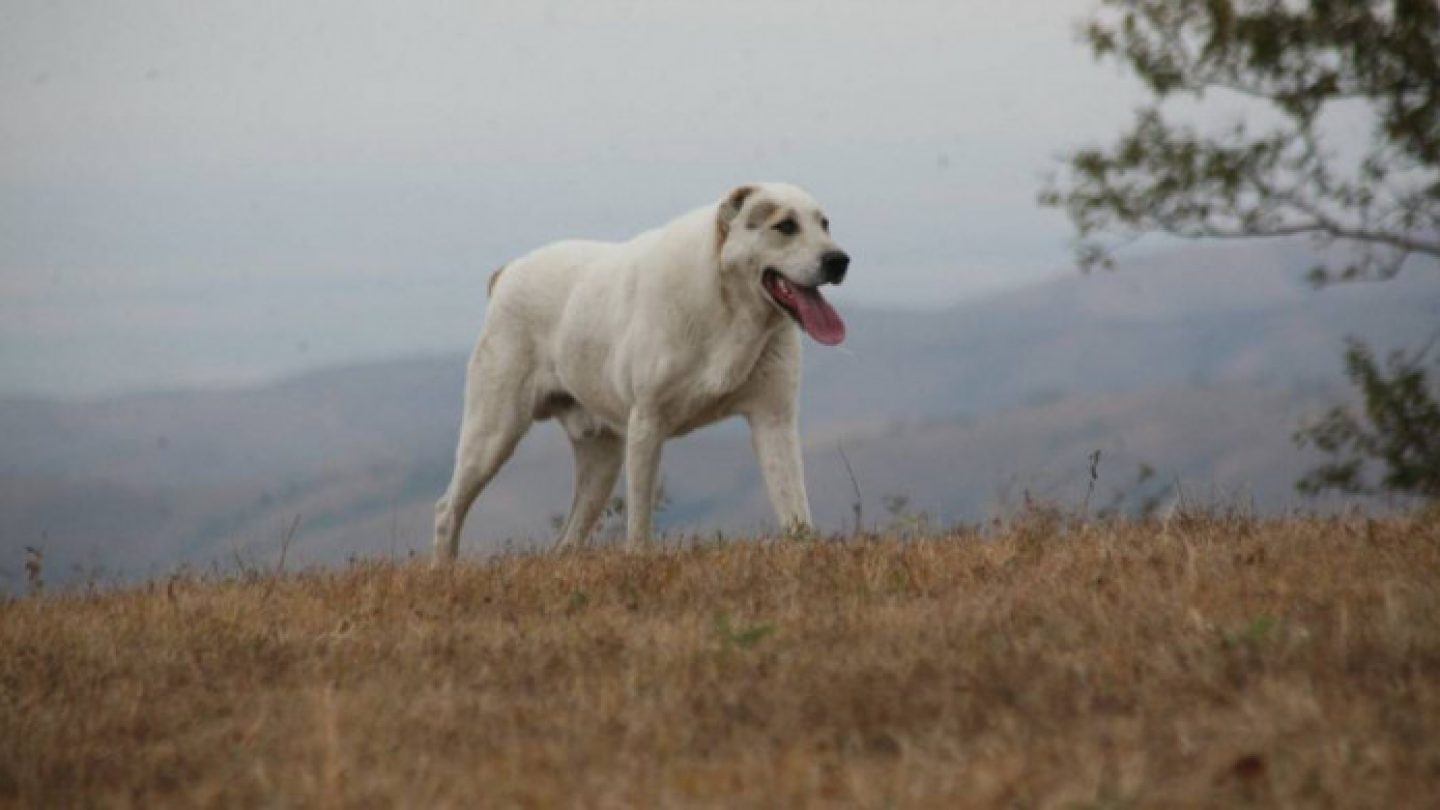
[719, 375]
[725, 365]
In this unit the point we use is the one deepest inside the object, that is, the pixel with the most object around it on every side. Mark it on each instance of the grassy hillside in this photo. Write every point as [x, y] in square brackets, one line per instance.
[1201, 662]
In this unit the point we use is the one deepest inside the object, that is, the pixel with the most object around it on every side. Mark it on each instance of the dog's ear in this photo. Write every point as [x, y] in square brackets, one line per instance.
[730, 208]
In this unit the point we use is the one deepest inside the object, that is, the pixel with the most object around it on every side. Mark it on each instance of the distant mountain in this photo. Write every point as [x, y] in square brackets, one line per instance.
[1196, 363]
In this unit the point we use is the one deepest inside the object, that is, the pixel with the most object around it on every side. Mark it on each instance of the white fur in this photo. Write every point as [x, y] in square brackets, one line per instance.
[628, 344]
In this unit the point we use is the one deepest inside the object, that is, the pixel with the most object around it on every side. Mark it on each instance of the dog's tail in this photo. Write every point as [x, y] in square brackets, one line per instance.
[494, 277]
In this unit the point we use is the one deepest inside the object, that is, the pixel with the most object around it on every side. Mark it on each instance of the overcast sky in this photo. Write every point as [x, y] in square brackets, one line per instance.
[196, 193]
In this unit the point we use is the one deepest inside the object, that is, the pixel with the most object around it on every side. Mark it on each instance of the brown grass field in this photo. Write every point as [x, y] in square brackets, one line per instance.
[1207, 663]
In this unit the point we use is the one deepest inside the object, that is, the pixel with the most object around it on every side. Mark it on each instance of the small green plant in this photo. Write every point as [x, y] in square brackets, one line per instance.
[903, 521]
[799, 532]
[1256, 632]
[612, 518]
[577, 601]
[742, 636]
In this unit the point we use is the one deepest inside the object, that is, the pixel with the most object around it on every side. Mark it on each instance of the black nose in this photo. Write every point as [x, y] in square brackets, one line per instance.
[833, 266]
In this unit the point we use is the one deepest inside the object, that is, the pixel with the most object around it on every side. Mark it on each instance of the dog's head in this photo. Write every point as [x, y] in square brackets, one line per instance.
[777, 240]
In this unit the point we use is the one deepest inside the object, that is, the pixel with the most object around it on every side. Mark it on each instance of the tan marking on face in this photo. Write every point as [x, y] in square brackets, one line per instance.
[729, 209]
[759, 213]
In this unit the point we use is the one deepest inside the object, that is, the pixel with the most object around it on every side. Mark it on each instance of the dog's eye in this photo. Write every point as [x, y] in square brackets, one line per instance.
[825, 224]
[787, 227]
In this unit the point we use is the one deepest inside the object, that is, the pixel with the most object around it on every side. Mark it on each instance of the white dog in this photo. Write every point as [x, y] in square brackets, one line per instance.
[628, 344]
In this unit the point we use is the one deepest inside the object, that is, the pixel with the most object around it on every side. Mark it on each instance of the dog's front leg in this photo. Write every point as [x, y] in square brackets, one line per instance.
[776, 439]
[643, 437]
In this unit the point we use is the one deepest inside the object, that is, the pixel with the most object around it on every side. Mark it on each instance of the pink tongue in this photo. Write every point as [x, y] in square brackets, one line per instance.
[817, 317]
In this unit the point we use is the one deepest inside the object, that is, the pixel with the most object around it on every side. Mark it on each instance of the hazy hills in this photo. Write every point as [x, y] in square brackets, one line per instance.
[1197, 364]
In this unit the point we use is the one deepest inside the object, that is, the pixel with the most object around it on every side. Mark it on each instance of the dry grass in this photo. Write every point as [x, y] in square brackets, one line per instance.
[1292, 662]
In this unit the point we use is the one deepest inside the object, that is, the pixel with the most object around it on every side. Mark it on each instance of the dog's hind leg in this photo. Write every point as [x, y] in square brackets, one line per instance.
[598, 455]
[497, 415]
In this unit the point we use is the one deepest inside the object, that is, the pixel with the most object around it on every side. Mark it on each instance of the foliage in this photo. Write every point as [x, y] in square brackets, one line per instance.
[1399, 429]
[1299, 61]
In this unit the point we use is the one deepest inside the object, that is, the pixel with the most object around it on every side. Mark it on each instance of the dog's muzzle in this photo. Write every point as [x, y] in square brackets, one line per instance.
[833, 266]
